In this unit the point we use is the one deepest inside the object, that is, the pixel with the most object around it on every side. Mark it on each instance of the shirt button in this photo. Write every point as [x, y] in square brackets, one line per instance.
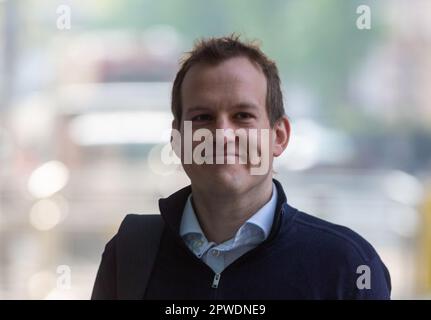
[215, 253]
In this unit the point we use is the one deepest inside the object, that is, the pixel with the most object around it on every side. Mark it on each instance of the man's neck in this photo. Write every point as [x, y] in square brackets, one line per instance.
[220, 218]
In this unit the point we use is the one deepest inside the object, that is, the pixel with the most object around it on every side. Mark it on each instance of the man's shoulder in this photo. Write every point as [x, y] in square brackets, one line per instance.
[328, 253]
[132, 220]
[317, 234]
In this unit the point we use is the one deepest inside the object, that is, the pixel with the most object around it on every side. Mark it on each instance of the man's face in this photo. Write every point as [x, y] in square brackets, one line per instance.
[229, 95]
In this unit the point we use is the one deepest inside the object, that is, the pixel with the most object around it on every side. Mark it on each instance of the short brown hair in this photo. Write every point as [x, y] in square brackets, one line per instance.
[217, 50]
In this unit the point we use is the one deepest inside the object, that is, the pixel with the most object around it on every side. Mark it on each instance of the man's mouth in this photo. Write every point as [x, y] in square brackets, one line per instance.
[225, 157]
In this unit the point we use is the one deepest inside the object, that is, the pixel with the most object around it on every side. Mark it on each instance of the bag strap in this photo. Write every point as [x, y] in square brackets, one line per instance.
[137, 246]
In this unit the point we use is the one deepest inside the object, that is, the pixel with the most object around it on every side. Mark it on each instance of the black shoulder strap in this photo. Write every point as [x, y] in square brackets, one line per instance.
[137, 245]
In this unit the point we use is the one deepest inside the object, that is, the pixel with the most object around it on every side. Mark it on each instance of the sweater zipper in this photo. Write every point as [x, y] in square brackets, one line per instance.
[217, 276]
[214, 285]
[216, 280]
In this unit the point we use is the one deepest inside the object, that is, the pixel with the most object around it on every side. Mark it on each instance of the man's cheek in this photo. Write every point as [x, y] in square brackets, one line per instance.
[260, 152]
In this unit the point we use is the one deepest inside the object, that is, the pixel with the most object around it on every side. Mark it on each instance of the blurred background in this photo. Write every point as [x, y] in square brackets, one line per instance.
[85, 105]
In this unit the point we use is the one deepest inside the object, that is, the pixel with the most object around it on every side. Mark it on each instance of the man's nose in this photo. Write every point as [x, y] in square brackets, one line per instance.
[224, 123]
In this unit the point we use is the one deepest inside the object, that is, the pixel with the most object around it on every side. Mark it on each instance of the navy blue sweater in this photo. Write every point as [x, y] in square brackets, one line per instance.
[303, 258]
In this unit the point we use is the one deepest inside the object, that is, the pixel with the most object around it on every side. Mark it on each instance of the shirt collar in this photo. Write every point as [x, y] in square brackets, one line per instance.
[189, 221]
[263, 218]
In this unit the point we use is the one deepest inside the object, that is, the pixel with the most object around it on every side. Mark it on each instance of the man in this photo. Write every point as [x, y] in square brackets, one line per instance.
[231, 233]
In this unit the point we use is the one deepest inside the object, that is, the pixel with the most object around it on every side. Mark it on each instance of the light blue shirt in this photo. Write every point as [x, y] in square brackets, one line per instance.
[254, 231]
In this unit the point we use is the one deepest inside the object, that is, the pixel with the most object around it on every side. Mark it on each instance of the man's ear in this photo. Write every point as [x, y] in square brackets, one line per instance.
[281, 136]
[176, 138]
[175, 125]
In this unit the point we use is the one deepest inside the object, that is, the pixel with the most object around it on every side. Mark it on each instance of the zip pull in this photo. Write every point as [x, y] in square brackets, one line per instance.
[216, 280]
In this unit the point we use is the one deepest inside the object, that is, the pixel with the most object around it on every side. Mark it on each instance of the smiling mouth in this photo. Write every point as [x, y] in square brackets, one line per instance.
[225, 155]
[214, 157]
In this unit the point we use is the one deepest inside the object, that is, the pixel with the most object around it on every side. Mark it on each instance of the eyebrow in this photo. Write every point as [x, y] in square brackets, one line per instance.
[197, 108]
[241, 105]
[246, 105]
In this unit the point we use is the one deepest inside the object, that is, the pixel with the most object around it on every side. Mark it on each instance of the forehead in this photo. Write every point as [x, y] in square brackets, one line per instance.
[234, 80]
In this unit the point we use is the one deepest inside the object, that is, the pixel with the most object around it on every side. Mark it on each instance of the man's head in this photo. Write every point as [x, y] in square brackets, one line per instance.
[216, 50]
[225, 83]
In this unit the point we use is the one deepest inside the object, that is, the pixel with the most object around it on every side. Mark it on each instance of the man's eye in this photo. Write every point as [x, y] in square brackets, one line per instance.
[243, 115]
[202, 117]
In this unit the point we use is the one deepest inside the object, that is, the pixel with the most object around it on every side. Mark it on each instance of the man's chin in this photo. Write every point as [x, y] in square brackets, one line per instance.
[224, 177]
